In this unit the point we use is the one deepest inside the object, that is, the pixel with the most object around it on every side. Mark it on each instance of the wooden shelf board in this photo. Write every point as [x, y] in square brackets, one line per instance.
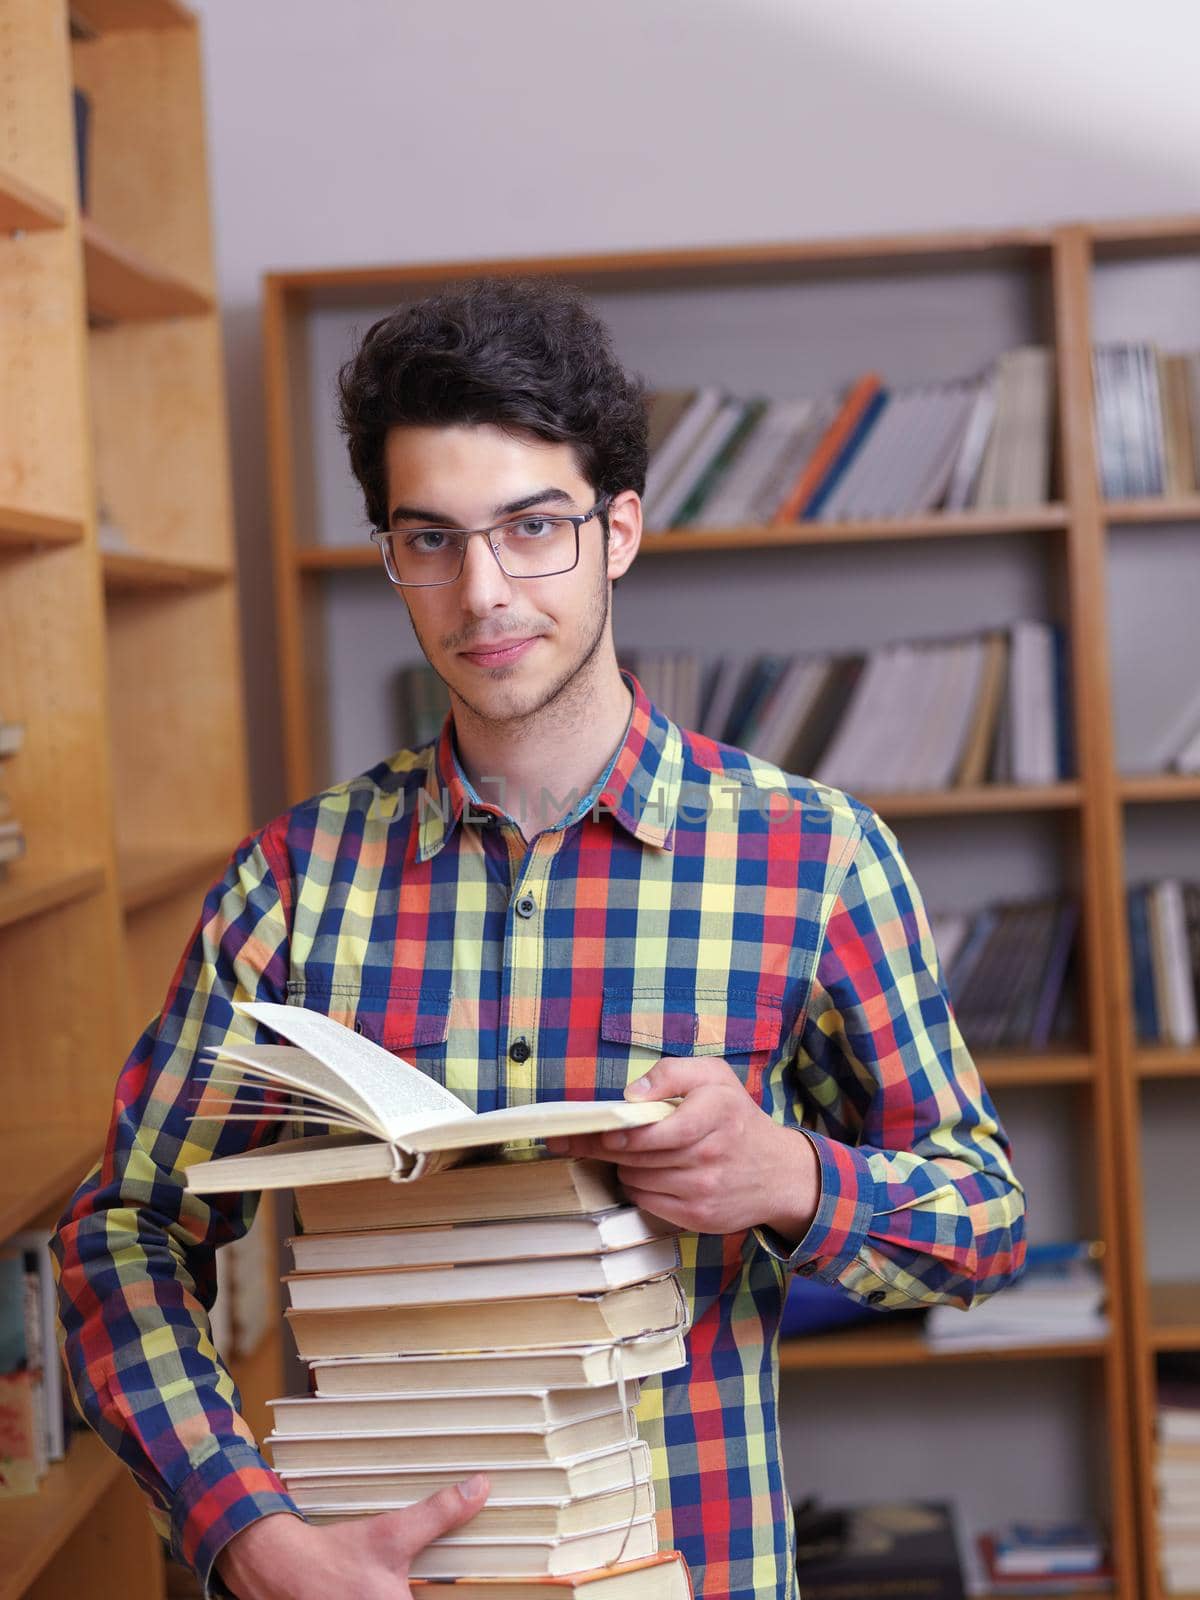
[1124, 513]
[1174, 1316]
[41, 1168]
[22, 206]
[123, 286]
[1167, 1061]
[1047, 519]
[27, 890]
[25, 530]
[34, 1527]
[902, 1344]
[1156, 787]
[128, 571]
[978, 800]
[124, 16]
[1046, 1068]
[146, 877]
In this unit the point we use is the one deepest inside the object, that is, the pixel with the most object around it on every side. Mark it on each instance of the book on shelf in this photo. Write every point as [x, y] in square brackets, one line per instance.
[888, 1548]
[332, 1076]
[871, 451]
[1176, 1470]
[24, 1427]
[1147, 404]
[912, 716]
[1045, 1571]
[1163, 919]
[1060, 1297]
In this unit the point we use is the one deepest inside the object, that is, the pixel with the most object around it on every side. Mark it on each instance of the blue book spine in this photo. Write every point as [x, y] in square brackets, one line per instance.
[1144, 1004]
[846, 454]
[1063, 710]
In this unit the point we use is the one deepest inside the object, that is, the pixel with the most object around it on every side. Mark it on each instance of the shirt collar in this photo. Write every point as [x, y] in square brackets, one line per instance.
[641, 791]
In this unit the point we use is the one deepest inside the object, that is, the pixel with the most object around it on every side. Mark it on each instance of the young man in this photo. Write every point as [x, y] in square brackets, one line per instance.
[565, 895]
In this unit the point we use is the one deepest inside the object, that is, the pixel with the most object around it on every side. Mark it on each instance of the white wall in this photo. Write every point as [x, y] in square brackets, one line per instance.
[374, 131]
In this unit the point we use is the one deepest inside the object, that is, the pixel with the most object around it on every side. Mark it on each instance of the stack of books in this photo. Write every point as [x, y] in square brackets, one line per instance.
[495, 1318]
[1177, 1472]
[35, 1409]
[866, 453]
[1147, 411]
[1059, 1298]
[1164, 945]
[1046, 1558]
[910, 716]
[12, 837]
[1009, 971]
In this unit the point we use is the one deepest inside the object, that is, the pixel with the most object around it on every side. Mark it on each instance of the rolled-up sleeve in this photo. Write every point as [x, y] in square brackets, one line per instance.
[919, 1202]
[135, 1251]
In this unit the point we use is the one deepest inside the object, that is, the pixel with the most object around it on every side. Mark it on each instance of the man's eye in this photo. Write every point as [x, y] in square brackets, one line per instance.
[534, 527]
[426, 540]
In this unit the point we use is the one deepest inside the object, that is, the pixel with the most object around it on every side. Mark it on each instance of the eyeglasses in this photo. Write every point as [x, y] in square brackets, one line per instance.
[531, 546]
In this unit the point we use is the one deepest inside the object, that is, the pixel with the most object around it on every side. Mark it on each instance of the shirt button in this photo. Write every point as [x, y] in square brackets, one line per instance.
[875, 1296]
[519, 1050]
[526, 906]
[807, 1269]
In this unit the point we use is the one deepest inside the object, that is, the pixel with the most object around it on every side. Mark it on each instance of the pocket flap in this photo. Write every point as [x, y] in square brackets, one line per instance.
[692, 1022]
[392, 1014]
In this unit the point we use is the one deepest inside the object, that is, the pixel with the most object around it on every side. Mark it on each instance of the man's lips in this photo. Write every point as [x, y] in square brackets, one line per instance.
[500, 652]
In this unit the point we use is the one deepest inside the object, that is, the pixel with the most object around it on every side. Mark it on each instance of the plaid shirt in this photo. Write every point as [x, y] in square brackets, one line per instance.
[706, 903]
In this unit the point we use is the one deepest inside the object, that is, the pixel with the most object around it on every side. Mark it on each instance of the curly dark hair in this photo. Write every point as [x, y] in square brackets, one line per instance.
[526, 354]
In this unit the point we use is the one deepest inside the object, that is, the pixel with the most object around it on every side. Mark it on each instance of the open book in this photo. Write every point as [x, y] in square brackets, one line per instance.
[405, 1124]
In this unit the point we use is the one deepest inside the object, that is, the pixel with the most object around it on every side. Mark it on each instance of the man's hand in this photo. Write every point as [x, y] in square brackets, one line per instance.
[718, 1163]
[281, 1557]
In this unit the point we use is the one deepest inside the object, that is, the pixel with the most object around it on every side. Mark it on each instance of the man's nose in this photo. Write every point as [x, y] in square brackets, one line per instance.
[483, 584]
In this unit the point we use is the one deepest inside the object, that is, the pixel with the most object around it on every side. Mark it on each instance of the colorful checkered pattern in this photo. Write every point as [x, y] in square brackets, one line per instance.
[705, 903]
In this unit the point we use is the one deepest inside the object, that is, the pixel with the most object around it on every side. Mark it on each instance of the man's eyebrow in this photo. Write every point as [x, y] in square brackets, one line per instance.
[441, 519]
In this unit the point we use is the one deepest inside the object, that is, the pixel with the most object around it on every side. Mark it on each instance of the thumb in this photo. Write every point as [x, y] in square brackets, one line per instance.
[449, 1508]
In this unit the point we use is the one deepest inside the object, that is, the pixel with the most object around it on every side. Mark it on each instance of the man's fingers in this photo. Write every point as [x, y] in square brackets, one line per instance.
[418, 1525]
[670, 1077]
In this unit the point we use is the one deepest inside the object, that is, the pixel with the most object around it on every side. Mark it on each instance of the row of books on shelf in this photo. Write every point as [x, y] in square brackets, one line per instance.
[927, 715]
[1009, 969]
[37, 1414]
[1147, 421]
[1177, 1471]
[921, 1549]
[721, 460]
[1164, 944]
[12, 835]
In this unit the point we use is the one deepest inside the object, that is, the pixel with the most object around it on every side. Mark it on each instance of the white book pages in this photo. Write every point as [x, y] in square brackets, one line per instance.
[932, 702]
[931, 490]
[862, 488]
[965, 679]
[965, 472]
[1180, 996]
[1033, 704]
[732, 503]
[925, 432]
[711, 442]
[841, 763]
[676, 447]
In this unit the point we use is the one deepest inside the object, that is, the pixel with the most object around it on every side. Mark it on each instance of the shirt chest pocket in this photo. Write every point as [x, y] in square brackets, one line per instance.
[640, 1024]
[409, 1020]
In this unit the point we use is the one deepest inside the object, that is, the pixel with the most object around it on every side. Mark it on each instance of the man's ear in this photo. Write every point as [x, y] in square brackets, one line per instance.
[624, 531]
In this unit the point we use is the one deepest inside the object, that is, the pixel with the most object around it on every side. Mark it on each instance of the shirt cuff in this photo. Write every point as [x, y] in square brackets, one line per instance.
[228, 1491]
[843, 1216]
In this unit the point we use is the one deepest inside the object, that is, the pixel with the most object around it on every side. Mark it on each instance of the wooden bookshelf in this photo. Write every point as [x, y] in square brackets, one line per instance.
[134, 748]
[1175, 1315]
[1052, 271]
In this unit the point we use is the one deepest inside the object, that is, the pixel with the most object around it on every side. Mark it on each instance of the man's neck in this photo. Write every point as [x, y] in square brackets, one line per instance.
[539, 769]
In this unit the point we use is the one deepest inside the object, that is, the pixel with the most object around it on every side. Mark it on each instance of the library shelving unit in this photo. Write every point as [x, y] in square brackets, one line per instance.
[120, 657]
[1053, 1428]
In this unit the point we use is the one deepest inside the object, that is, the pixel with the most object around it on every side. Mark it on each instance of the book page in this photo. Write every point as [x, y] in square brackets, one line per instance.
[398, 1095]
